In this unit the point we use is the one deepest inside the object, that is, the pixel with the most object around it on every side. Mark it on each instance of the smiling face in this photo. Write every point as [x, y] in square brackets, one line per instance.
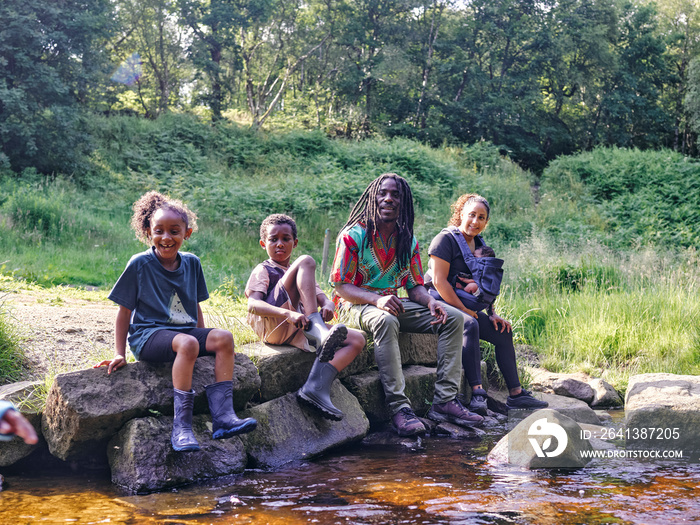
[388, 201]
[279, 243]
[475, 217]
[167, 233]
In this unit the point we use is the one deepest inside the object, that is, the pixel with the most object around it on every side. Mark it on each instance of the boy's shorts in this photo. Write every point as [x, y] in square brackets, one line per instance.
[277, 331]
[159, 347]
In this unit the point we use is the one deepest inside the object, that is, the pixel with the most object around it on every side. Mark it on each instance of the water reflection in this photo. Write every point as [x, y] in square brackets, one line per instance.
[448, 482]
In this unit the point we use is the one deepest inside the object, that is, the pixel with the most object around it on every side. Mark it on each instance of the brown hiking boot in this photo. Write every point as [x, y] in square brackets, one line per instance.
[406, 423]
[454, 412]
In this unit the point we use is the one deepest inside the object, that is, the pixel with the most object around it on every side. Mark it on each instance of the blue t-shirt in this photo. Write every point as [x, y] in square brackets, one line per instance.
[158, 298]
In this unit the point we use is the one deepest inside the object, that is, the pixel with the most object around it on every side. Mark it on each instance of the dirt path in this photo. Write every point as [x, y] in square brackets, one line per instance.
[63, 333]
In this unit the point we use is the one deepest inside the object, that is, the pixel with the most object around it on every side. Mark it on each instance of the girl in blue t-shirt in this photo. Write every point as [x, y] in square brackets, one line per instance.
[158, 296]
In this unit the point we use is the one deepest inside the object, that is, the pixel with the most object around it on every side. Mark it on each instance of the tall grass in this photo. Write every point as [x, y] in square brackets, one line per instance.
[12, 358]
[608, 313]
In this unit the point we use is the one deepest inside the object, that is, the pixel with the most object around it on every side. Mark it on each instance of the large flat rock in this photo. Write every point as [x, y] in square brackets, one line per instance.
[85, 409]
[288, 431]
[574, 408]
[142, 459]
[662, 411]
[284, 368]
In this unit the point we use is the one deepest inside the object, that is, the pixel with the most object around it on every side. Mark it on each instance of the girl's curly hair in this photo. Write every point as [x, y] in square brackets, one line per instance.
[458, 206]
[149, 203]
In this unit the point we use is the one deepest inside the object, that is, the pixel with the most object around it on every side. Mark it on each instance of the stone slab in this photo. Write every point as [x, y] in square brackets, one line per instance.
[142, 459]
[85, 409]
[289, 431]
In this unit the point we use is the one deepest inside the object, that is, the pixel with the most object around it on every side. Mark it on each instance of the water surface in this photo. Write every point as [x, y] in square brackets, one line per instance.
[445, 482]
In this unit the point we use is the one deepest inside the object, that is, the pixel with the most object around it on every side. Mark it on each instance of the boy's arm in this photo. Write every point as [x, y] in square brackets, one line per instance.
[121, 331]
[257, 306]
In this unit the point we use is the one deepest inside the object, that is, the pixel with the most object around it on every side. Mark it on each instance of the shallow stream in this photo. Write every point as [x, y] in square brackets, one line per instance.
[446, 481]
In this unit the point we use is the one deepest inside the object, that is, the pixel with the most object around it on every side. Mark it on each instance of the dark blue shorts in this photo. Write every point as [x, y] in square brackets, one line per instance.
[159, 347]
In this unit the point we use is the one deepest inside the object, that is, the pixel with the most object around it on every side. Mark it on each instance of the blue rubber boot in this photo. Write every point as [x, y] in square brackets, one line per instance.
[225, 422]
[182, 437]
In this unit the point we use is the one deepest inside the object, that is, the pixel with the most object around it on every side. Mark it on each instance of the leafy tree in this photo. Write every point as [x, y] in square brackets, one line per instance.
[150, 28]
[679, 24]
[51, 56]
[273, 45]
[214, 50]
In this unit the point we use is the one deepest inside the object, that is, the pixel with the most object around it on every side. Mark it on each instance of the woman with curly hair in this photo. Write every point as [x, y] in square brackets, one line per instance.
[450, 272]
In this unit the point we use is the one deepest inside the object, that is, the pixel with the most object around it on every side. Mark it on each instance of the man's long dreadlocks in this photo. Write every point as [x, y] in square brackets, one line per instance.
[366, 212]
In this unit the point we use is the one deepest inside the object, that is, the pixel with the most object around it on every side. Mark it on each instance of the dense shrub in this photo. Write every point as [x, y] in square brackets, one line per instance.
[625, 197]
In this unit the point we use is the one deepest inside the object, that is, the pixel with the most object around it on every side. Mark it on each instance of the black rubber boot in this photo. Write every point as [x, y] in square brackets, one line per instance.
[316, 392]
[182, 437]
[225, 422]
[325, 340]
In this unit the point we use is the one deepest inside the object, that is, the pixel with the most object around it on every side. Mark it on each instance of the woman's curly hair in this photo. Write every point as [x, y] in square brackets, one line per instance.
[148, 204]
[458, 206]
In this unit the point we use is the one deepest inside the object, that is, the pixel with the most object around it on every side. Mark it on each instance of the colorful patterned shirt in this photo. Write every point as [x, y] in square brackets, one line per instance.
[374, 268]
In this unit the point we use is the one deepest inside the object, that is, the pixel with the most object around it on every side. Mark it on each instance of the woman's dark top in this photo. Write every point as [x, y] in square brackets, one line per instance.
[445, 247]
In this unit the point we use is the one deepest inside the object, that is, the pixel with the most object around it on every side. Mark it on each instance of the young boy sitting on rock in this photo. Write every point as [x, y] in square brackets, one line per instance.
[283, 308]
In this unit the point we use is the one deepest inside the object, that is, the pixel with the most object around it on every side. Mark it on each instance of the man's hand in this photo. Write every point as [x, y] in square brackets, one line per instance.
[391, 304]
[327, 311]
[437, 311]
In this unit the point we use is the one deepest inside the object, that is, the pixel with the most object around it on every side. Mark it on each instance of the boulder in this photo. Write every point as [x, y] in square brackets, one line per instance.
[570, 387]
[573, 408]
[605, 394]
[85, 409]
[282, 368]
[142, 459]
[12, 451]
[25, 395]
[543, 380]
[662, 411]
[288, 431]
[367, 388]
[545, 439]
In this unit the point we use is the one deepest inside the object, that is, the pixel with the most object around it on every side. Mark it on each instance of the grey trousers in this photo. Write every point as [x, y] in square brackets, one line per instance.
[416, 318]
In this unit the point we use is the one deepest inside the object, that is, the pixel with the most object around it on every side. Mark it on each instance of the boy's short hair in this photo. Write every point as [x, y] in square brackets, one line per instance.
[275, 219]
[484, 251]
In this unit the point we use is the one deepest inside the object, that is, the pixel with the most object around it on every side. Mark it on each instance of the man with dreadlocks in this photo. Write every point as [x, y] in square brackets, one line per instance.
[376, 254]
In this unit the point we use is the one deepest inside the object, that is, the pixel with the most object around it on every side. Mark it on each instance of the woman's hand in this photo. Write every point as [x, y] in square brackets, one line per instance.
[327, 311]
[496, 320]
[112, 364]
[298, 319]
[470, 312]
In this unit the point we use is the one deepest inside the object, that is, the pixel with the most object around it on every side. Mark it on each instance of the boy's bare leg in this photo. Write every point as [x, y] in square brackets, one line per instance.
[352, 347]
[300, 283]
